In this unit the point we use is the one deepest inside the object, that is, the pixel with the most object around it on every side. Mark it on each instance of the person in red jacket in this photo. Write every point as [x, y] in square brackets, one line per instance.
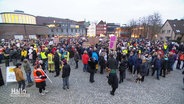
[85, 58]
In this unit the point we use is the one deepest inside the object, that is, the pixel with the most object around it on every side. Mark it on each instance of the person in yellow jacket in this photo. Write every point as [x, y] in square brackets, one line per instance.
[50, 62]
[43, 56]
[23, 54]
[19, 76]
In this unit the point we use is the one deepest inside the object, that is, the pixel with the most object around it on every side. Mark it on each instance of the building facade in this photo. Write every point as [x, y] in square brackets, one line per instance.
[101, 28]
[62, 27]
[91, 31]
[172, 30]
[19, 25]
[112, 28]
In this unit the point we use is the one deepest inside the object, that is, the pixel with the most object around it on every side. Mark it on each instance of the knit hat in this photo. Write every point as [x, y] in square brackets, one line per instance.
[64, 61]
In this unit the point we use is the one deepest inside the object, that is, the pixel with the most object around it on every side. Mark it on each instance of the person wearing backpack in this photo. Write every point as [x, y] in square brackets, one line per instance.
[122, 68]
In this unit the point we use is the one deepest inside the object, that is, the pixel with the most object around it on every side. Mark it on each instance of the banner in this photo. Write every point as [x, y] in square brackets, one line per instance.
[10, 75]
[112, 43]
[56, 40]
[93, 40]
[86, 44]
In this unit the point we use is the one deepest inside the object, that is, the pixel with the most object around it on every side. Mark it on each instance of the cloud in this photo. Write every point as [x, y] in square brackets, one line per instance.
[94, 10]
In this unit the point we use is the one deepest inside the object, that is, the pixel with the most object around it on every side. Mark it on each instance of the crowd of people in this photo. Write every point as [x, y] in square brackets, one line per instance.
[140, 57]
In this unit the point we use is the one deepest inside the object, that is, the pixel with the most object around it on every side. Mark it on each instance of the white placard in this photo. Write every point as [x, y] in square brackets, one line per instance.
[10, 75]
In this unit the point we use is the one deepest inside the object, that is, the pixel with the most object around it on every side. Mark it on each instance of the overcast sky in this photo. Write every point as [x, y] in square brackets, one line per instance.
[116, 11]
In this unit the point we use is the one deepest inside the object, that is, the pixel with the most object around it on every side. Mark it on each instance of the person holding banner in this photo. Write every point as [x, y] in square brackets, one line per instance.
[1, 78]
[40, 77]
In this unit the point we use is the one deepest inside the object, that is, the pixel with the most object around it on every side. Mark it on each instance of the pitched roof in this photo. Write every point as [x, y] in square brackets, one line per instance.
[101, 22]
[177, 26]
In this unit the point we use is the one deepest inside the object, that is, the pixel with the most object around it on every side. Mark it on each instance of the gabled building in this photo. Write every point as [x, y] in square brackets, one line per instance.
[172, 30]
[91, 31]
[101, 28]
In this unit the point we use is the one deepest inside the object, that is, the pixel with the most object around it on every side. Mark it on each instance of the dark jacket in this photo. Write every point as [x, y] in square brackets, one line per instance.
[76, 56]
[101, 61]
[56, 58]
[158, 63]
[112, 63]
[113, 79]
[91, 66]
[123, 65]
[14, 54]
[131, 60]
[34, 54]
[66, 71]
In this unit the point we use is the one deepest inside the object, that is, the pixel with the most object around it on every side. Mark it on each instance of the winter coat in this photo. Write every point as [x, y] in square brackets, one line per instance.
[27, 67]
[131, 60]
[18, 74]
[113, 79]
[123, 65]
[76, 56]
[85, 58]
[91, 66]
[34, 54]
[66, 71]
[101, 61]
[158, 63]
[95, 56]
[112, 63]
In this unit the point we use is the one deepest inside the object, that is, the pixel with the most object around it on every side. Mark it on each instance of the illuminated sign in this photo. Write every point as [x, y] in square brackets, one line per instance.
[17, 18]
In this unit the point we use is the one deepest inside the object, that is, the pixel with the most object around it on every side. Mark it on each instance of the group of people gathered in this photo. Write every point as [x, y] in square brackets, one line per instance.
[140, 57]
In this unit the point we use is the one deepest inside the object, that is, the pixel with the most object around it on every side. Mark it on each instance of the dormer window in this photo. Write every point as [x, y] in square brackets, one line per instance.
[177, 31]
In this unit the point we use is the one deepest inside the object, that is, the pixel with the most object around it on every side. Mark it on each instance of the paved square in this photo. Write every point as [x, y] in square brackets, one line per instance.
[164, 91]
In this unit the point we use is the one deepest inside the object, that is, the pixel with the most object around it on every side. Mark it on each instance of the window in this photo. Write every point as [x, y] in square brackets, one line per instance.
[163, 31]
[61, 30]
[178, 31]
[168, 31]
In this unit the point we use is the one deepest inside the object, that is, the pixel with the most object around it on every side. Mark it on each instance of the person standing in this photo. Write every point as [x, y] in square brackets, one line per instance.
[92, 68]
[131, 62]
[57, 63]
[34, 56]
[7, 56]
[23, 54]
[157, 66]
[65, 74]
[102, 62]
[40, 77]
[27, 70]
[122, 68]
[183, 79]
[85, 58]
[1, 78]
[112, 78]
[50, 62]
[14, 55]
[19, 77]
[76, 58]
[44, 59]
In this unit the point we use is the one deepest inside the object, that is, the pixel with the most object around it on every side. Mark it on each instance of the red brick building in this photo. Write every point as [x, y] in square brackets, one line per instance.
[101, 28]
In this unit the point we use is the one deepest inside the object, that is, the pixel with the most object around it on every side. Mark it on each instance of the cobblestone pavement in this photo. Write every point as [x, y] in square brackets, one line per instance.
[164, 91]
